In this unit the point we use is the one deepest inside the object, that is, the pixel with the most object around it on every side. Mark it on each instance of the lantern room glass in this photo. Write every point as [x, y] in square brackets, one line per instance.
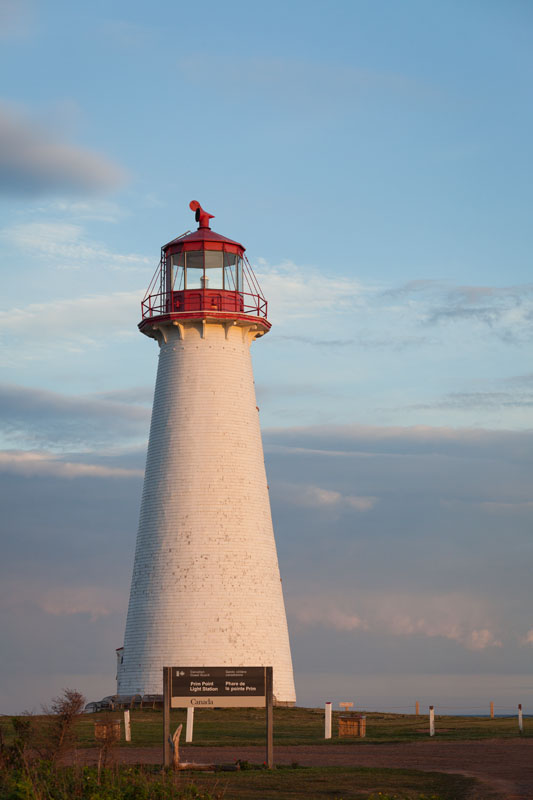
[206, 269]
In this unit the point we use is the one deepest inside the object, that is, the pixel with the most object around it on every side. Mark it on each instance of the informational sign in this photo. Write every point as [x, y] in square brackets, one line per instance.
[218, 687]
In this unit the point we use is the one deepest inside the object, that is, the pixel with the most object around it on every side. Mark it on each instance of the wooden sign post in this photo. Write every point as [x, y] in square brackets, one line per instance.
[166, 716]
[218, 687]
[269, 705]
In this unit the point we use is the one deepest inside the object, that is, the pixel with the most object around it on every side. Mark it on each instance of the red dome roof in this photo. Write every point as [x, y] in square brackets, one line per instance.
[203, 239]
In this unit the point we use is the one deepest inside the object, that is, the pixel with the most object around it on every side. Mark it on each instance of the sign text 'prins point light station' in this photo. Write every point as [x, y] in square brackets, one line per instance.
[206, 586]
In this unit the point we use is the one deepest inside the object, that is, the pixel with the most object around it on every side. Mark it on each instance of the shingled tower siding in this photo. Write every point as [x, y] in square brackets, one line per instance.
[206, 587]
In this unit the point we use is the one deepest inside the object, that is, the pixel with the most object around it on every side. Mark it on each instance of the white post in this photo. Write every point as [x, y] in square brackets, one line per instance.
[431, 721]
[127, 726]
[190, 722]
[520, 721]
[327, 728]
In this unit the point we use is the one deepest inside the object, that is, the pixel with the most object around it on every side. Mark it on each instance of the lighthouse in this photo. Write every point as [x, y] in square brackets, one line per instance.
[206, 588]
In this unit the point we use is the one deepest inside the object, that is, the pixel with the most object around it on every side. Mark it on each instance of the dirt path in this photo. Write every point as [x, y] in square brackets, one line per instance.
[504, 765]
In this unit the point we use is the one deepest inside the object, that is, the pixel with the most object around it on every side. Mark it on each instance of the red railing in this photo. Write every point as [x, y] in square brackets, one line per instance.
[184, 302]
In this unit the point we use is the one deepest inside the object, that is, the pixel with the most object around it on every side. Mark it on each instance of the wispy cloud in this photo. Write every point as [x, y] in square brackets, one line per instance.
[34, 417]
[453, 616]
[83, 210]
[419, 313]
[296, 292]
[129, 35]
[33, 163]
[76, 323]
[17, 19]
[316, 497]
[506, 311]
[97, 601]
[31, 464]
[304, 85]
[398, 440]
[326, 615]
[528, 638]
[65, 243]
[467, 400]
[90, 599]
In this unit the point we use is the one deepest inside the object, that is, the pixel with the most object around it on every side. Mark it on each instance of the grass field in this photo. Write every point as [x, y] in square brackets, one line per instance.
[234, 727]
[289, 783]
[332, 783]
[293, 726]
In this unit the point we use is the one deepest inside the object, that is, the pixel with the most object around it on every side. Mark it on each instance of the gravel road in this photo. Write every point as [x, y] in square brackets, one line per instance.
[506, 766]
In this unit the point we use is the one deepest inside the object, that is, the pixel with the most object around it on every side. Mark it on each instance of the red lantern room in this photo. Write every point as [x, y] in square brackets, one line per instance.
[203, 275]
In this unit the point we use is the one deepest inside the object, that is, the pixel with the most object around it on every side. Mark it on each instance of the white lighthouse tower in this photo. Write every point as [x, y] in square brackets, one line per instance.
[206, 588]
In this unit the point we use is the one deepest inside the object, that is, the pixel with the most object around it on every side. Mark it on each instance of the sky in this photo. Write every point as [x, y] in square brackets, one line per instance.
[374, 157]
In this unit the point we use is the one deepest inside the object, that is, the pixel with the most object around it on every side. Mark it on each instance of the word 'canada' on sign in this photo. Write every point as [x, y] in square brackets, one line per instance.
[218, 686]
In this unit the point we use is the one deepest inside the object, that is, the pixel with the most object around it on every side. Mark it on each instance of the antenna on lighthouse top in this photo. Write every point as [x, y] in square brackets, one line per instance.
[200, 216]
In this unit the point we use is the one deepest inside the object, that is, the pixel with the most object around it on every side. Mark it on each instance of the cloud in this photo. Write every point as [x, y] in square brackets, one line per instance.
[452, 616]
[479, 640]
[97, 601]
[78, 322]
[315, 497]
[296, 292]
[128, 35]
[301, 85]
[16, 19]
[418, 313]
[72, 323]
[33, 163]
[505, 310]
[97, 210]
[328, 615]
[31, 464]
[369, 440]
[317, 342]
[467, 400]
[35, 417]
[67, 244]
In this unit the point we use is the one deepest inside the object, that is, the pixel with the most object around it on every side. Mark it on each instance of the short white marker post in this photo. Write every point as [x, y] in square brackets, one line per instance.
[190, 723]
[431, 721]
[327, 724]
[127, 726]
[520, 721]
